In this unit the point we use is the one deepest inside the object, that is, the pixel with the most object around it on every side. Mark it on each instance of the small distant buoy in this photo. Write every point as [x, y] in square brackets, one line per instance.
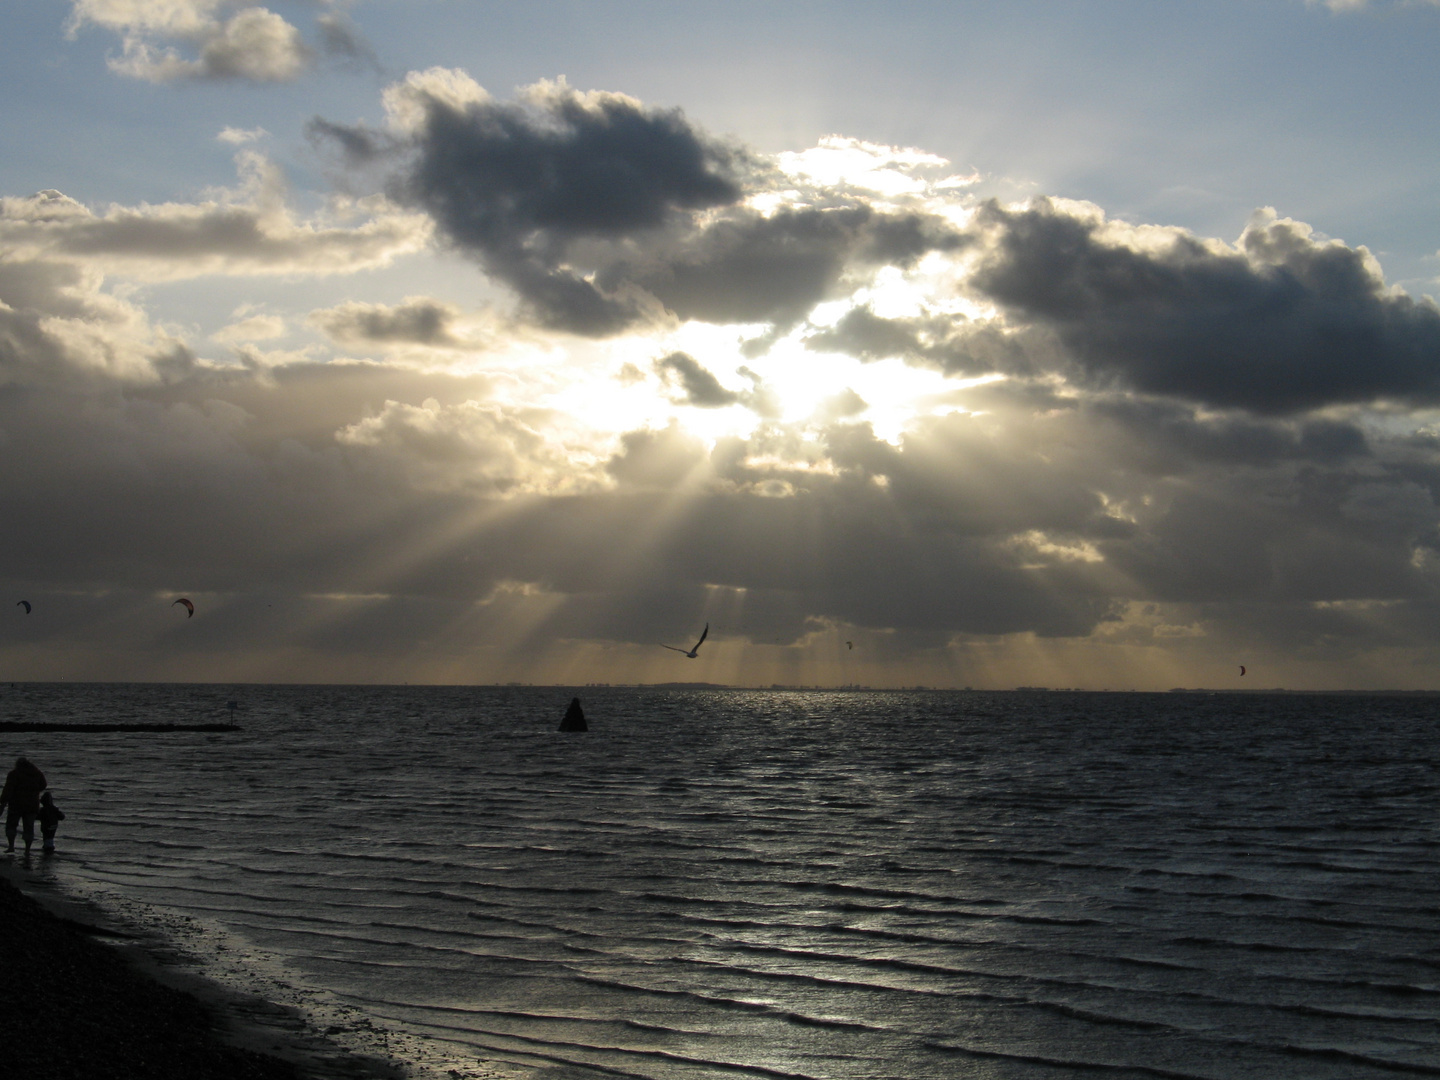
[574, 717]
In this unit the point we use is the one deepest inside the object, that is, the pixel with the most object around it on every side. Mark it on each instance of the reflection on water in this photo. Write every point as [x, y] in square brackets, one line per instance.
[801, 884]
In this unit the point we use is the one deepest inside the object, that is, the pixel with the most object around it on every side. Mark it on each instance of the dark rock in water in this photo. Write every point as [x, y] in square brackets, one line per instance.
[574, 717]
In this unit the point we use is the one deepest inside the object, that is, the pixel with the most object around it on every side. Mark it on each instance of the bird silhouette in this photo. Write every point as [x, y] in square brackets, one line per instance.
[696, 649]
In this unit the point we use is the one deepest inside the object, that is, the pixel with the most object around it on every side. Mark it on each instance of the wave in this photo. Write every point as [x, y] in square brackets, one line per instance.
[1071, 1064]
[838, 885]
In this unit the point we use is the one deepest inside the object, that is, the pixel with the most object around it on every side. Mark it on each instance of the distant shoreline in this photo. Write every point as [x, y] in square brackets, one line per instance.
[21, 725]
[571, 687]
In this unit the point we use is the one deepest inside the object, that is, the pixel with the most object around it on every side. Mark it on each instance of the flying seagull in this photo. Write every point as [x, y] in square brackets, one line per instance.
[692, 652]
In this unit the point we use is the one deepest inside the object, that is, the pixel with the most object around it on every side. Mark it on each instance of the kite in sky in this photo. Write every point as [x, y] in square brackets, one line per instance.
[1242, 669]
[189, 607]
[25, 604]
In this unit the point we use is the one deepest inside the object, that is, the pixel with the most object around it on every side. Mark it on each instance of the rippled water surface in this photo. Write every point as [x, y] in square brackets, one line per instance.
[797, 884]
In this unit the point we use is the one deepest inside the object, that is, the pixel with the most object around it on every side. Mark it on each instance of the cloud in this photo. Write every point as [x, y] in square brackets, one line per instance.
[240, 136]
[472, 446]
[247, 231]
[1361, 5]
[59, 328]
[1280, 322]
[657, 459]
[1181, 446]
[751, 268]
[417, 320]
[701, 388]
[838, 163]
[340, 39]
[951, 343]
[252, 44]
[841, 406]
[520, 183]
[601, 213]
[254, 328]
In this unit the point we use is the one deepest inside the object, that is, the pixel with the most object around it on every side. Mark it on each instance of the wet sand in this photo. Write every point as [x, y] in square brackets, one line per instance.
[87, 999]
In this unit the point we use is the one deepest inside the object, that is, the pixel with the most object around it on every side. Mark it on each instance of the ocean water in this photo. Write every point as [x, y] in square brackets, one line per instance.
[722, 883]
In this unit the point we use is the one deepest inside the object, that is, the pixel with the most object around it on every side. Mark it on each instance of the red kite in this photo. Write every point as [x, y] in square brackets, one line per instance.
[1242, 669]
[189, 607]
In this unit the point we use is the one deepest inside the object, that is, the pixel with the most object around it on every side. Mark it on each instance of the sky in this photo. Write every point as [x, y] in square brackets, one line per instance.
[1085, 344]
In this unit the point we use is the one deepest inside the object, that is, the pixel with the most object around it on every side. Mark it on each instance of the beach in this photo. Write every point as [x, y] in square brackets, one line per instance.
[88, 1001]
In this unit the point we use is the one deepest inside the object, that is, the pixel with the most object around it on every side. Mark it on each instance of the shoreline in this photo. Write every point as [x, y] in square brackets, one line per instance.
[109, 996]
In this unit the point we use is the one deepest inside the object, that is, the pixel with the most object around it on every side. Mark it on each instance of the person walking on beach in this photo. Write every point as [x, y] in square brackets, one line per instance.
[21, 794]
[50, 818]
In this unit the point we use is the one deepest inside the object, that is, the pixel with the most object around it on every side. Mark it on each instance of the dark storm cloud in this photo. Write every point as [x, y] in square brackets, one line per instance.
[952, 344]
[749, 268]
[1051, 502]
[1233, 509]
[959, 474]
[701, 387]
[846, 554]
[234, 481]
[598, 210]
[1173, 438]
[498, 174]
[519, 182]
[1227, 542]
[418, 321]
[1283, 324]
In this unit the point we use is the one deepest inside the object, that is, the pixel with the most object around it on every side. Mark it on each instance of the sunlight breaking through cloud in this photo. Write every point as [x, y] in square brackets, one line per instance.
[681, 380]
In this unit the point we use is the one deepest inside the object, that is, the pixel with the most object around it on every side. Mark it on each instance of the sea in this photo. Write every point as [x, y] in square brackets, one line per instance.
[796, 884]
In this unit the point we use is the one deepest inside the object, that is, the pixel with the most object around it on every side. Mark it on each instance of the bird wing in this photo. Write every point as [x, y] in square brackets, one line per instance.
[703, 633]
[672, 648]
